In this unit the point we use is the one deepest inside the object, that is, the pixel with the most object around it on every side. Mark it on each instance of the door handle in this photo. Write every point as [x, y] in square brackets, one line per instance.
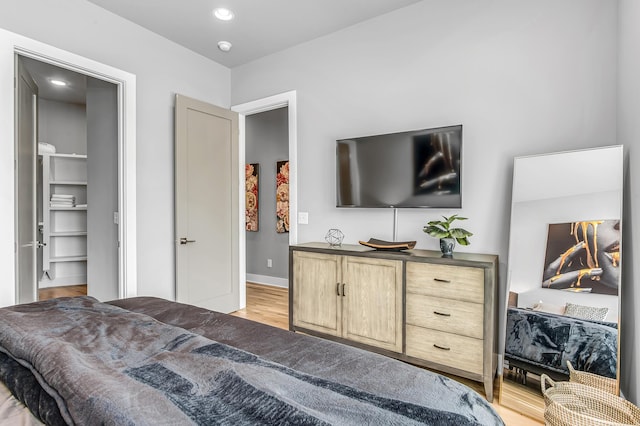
[184, 240]
[36, 244]
[444, 348]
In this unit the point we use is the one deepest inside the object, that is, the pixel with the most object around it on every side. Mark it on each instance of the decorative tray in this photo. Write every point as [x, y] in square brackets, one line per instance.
[388, 245]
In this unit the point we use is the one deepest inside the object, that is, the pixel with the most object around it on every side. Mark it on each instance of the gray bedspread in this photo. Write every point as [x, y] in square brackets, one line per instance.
[151, 361]
[547, 341]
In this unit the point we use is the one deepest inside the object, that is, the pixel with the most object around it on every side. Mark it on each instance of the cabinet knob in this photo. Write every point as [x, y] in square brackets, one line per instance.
[184, 240]
[343, 286]
[441, 314]
[440, 280]
[338, 289]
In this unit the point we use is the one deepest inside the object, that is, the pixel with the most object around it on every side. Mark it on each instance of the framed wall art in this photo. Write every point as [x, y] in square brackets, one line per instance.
[282, 196]
[583, 257]
[251, 196]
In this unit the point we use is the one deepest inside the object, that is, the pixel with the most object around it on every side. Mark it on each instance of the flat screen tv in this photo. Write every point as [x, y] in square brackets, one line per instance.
[419, 168]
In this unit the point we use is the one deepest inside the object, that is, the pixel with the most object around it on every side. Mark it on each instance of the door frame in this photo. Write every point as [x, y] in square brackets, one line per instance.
[286, 99]
[11, 44]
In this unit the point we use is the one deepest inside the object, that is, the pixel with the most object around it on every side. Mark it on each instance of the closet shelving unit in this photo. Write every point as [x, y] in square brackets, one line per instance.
[64, 229]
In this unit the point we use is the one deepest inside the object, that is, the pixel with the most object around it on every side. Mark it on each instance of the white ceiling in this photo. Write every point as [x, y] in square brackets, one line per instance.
[261, 27]
[41, 72]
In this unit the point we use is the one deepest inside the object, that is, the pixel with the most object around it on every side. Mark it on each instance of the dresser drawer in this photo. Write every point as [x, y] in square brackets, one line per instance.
[461, 352]
[451, 282]
[448, 315]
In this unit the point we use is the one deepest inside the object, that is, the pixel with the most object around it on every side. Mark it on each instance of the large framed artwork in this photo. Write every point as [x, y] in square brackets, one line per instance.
[282, 196]
[251, 197]
[583, 257]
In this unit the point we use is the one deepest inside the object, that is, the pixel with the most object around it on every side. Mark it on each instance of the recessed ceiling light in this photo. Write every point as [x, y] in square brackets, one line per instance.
[223, 14]
[225, 46]
[57, 82]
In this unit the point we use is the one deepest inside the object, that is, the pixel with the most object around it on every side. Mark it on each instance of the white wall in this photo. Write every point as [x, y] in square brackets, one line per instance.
[522, 77]
[163, 69]
[629, 135]
[64, 125]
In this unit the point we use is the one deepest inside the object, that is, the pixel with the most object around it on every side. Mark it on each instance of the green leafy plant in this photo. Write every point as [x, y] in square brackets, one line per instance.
[443, 229]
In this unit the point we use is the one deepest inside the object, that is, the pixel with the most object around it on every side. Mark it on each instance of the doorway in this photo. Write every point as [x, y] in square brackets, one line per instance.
[268, 222]
[75, 123]
[287, 99]
[10, 45]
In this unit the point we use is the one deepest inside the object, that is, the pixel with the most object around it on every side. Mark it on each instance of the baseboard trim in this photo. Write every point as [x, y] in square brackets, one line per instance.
[267, 280]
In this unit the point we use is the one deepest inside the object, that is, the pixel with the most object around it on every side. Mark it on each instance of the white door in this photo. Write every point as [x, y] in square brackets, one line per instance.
[26, 226]
[206, 203]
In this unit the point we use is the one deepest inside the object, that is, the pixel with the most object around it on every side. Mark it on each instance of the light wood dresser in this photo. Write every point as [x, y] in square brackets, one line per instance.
[414, 305]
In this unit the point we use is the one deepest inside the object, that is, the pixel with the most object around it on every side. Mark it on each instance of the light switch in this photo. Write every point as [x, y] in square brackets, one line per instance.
[303, 218]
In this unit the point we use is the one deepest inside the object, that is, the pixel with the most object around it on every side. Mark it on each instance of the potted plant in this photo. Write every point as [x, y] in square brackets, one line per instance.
[448, 236]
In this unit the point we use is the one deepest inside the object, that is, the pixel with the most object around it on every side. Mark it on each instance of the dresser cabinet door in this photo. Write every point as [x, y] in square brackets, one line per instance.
[372, 302]
[316, 303]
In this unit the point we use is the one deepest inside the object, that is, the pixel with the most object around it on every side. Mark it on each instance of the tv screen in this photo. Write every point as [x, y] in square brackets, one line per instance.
[419, 168]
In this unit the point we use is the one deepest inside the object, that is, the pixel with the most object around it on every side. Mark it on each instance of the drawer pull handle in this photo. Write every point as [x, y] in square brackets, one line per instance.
[440, 280]
[442, 347]
[441, 314]
[338, 289]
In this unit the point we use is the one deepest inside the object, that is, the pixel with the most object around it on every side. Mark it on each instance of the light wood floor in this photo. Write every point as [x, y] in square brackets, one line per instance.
[67, 291]
[528, 399]
[266, 304]
[270, 305]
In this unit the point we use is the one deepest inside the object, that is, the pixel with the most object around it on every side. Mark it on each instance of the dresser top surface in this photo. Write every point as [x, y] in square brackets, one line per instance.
[433, 256]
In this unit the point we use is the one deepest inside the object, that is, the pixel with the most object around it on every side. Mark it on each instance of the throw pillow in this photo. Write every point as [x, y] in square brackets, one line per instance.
[586, 312]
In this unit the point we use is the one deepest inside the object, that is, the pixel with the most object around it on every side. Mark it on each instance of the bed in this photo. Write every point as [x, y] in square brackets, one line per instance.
[151, 361]
[542, 342]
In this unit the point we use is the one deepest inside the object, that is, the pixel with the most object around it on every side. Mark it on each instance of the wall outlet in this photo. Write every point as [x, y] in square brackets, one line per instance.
[269, 263]
[303, 218]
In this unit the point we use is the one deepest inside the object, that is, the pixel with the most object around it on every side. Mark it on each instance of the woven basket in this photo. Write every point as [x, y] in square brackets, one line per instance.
[603, 383]
[575, 404]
